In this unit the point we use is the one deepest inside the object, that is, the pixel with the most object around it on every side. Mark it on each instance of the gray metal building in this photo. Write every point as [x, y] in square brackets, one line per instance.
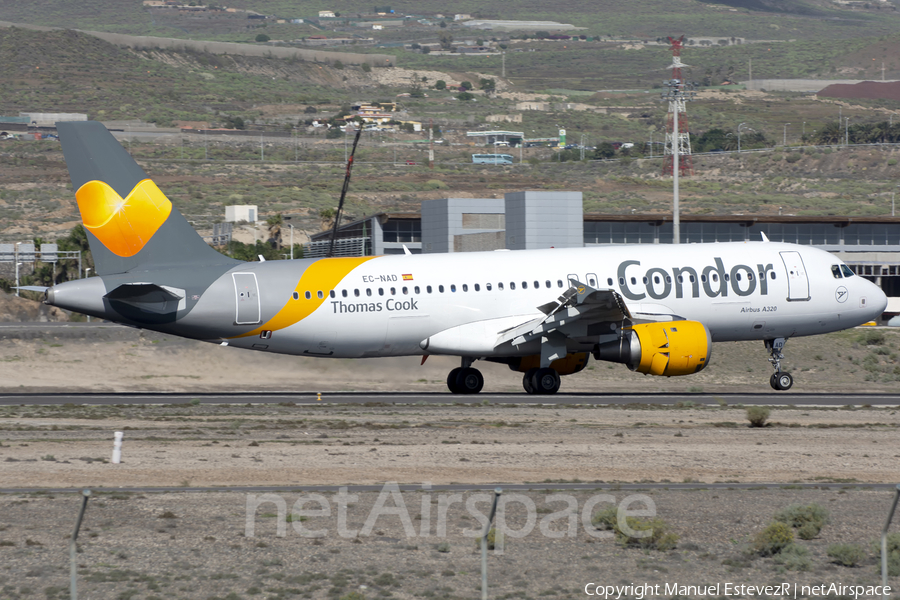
[544, 220]
[463, 224]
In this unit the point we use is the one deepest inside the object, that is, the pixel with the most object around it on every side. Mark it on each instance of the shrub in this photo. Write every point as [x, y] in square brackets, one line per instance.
[872, 337]
[262, 38]
[848, 555]
[366, 67]
[494, 540]
[773, 539]
[605, 519]
[893, 552]
[465, 96]
[660, 537]
[794, 557]
[807, 520]
[758, 415]
[338, 64]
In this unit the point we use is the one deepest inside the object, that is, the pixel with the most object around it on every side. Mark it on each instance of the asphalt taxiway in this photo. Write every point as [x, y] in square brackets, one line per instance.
[445, 398]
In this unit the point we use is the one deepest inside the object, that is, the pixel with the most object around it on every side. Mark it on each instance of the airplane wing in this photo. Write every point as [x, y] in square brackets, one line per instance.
[584, 311]
[580, 311]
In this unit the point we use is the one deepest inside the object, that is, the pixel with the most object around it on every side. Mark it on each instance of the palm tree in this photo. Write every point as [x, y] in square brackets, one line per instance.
[274, 223]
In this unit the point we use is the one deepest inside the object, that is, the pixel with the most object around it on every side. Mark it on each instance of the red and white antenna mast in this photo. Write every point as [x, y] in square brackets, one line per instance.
[678, 140]
[677, 159]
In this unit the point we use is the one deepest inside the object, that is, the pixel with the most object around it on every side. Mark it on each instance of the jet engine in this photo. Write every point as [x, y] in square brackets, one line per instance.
[670, 348]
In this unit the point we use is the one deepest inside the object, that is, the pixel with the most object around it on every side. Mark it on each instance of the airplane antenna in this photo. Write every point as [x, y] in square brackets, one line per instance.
[337, 216]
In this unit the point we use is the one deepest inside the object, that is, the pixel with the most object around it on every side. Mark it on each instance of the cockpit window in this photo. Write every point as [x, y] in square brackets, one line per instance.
[836, 271]
[846, 270]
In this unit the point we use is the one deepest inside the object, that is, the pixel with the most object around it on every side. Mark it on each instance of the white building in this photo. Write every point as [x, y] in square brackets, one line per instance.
[241, 212]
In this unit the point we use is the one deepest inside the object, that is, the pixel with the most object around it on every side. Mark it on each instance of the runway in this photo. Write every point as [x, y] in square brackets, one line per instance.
[446, 398]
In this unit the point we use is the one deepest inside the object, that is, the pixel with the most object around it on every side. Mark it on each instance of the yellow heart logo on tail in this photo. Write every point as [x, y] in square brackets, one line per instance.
[124, 226]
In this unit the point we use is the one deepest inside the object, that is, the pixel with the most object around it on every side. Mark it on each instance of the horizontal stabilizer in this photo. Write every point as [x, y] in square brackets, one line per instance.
[32, 288]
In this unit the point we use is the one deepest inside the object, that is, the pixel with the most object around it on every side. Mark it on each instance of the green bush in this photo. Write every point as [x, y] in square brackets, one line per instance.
[872, 337]
[807, 520]
[773, 539]
[893, 552]
[605, 519]
[492, 540]
[794, 557]
[848, 555]
[660, 537]
[758, 415]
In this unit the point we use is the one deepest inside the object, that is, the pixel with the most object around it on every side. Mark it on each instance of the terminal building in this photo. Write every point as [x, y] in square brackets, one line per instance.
[544, 219]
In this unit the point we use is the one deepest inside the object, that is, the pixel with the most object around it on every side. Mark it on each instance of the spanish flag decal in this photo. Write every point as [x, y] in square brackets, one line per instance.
[124, 226]
[407, 278]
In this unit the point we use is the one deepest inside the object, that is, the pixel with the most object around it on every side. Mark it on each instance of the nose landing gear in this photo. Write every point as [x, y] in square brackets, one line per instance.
[780, 380]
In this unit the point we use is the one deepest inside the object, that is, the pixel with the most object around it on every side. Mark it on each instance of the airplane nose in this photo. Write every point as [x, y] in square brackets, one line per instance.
[877, 300]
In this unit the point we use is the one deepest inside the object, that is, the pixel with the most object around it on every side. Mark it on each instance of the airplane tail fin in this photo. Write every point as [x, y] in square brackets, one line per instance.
[131, 225]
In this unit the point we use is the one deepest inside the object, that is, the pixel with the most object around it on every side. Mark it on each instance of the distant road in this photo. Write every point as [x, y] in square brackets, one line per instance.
[134, 398]
[460, 487]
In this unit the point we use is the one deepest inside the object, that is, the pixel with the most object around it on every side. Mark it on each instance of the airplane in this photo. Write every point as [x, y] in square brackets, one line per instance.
[656, 308]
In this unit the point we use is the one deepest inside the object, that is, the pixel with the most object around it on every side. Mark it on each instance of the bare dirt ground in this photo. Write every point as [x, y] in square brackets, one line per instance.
[198, 545]
[228, 545]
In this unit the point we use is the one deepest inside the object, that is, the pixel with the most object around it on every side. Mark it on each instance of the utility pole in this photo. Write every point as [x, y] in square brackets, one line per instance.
[431, 143]
[784, 135]
[292, 240]
[503, 67]
[16, 258]
[262, 151]
[847, 131]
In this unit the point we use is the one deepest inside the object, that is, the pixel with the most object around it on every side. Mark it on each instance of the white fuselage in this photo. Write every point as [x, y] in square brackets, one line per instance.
[389, 305]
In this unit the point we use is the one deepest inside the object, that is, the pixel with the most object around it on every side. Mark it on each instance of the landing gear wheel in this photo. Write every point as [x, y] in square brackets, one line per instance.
[451, 380]
[785, 381]
[526, 381]
[780, 380]
[545, 381]
[469, 381]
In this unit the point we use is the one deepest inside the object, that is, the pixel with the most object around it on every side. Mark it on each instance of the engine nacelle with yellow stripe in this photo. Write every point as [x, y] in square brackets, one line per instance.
[671, 348]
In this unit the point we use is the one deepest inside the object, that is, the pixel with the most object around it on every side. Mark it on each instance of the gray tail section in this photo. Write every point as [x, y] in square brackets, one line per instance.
[135, 228]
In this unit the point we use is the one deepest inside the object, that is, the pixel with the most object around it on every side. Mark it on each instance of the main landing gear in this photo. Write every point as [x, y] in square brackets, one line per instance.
[780, 380]
[541, 381]
[465, 379]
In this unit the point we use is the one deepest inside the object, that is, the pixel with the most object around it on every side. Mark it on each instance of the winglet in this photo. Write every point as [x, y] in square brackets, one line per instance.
[764, 238]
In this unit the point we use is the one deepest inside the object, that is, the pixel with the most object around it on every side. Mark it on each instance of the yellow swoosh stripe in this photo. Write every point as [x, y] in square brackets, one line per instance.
[323, 275]
[124, 226]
